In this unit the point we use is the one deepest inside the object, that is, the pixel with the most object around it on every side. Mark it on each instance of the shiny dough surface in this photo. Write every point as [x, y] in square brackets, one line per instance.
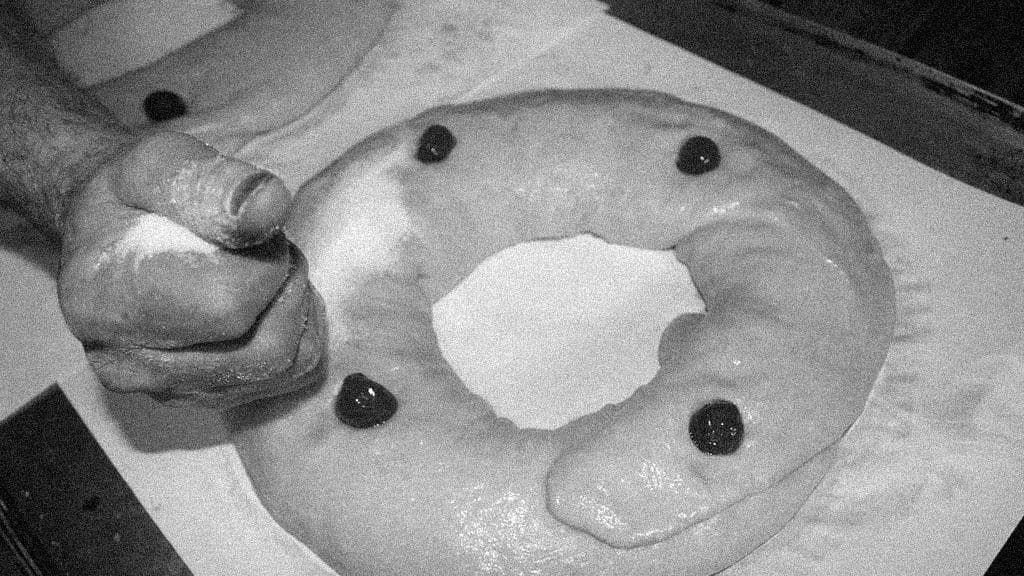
[799, 315]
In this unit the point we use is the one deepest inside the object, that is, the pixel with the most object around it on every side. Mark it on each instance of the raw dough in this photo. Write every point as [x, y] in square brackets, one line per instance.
[800, 310]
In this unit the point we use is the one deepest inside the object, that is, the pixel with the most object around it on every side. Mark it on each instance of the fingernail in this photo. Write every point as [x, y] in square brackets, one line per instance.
[246, 189]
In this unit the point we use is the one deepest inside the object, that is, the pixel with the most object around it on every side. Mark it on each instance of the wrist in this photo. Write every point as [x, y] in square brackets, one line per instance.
[84, 157]
[53, 136]
[39, 179]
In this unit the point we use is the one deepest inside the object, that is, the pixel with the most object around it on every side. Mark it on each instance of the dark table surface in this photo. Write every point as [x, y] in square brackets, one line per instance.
[944, 122]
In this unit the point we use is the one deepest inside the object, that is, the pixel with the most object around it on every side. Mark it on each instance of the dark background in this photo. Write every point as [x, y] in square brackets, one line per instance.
[980, 42]
[916, 75]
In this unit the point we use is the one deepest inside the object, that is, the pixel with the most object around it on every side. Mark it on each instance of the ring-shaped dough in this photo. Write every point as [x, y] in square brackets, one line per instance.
[800, 309]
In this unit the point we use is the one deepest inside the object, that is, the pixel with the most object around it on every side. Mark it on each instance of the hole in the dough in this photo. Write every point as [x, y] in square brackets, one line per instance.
[548, 331]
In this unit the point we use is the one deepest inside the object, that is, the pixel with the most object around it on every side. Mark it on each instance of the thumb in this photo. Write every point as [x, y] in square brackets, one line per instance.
[222, 200]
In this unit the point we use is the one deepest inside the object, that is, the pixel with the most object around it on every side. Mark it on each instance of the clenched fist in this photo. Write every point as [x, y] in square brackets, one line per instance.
[177, 278]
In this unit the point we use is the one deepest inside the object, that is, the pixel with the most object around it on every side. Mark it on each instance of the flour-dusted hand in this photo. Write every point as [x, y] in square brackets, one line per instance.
[177, 278]
[174, 271]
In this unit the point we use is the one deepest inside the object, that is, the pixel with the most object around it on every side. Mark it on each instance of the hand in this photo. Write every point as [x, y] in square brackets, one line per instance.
[177, 279]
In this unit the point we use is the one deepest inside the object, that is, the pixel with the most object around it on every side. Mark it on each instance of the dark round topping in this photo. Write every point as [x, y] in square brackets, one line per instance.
[363, 403]
[698, 155]
[435, 144]
[717, 428]
[164, 105]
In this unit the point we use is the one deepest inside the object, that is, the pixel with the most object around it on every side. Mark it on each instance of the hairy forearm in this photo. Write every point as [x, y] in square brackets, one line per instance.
[52, 135]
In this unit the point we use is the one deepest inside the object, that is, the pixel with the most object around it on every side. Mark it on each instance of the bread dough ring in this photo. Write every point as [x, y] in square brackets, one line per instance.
[689, 474]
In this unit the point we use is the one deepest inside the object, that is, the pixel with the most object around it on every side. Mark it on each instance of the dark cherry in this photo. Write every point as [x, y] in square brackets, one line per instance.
[363, 403]
[164, 105]
[717, 428]
[435, 145]
[698, 155]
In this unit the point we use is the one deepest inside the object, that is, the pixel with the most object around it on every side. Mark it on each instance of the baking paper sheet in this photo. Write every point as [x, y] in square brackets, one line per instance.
[929, 480]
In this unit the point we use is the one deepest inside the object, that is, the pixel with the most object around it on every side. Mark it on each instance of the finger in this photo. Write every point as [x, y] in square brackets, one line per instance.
[221, 376]
[277, 356]
[141, 280]
[223, 200]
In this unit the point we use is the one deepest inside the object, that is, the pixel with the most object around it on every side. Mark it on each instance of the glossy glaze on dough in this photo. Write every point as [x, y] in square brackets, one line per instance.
[799, 316]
